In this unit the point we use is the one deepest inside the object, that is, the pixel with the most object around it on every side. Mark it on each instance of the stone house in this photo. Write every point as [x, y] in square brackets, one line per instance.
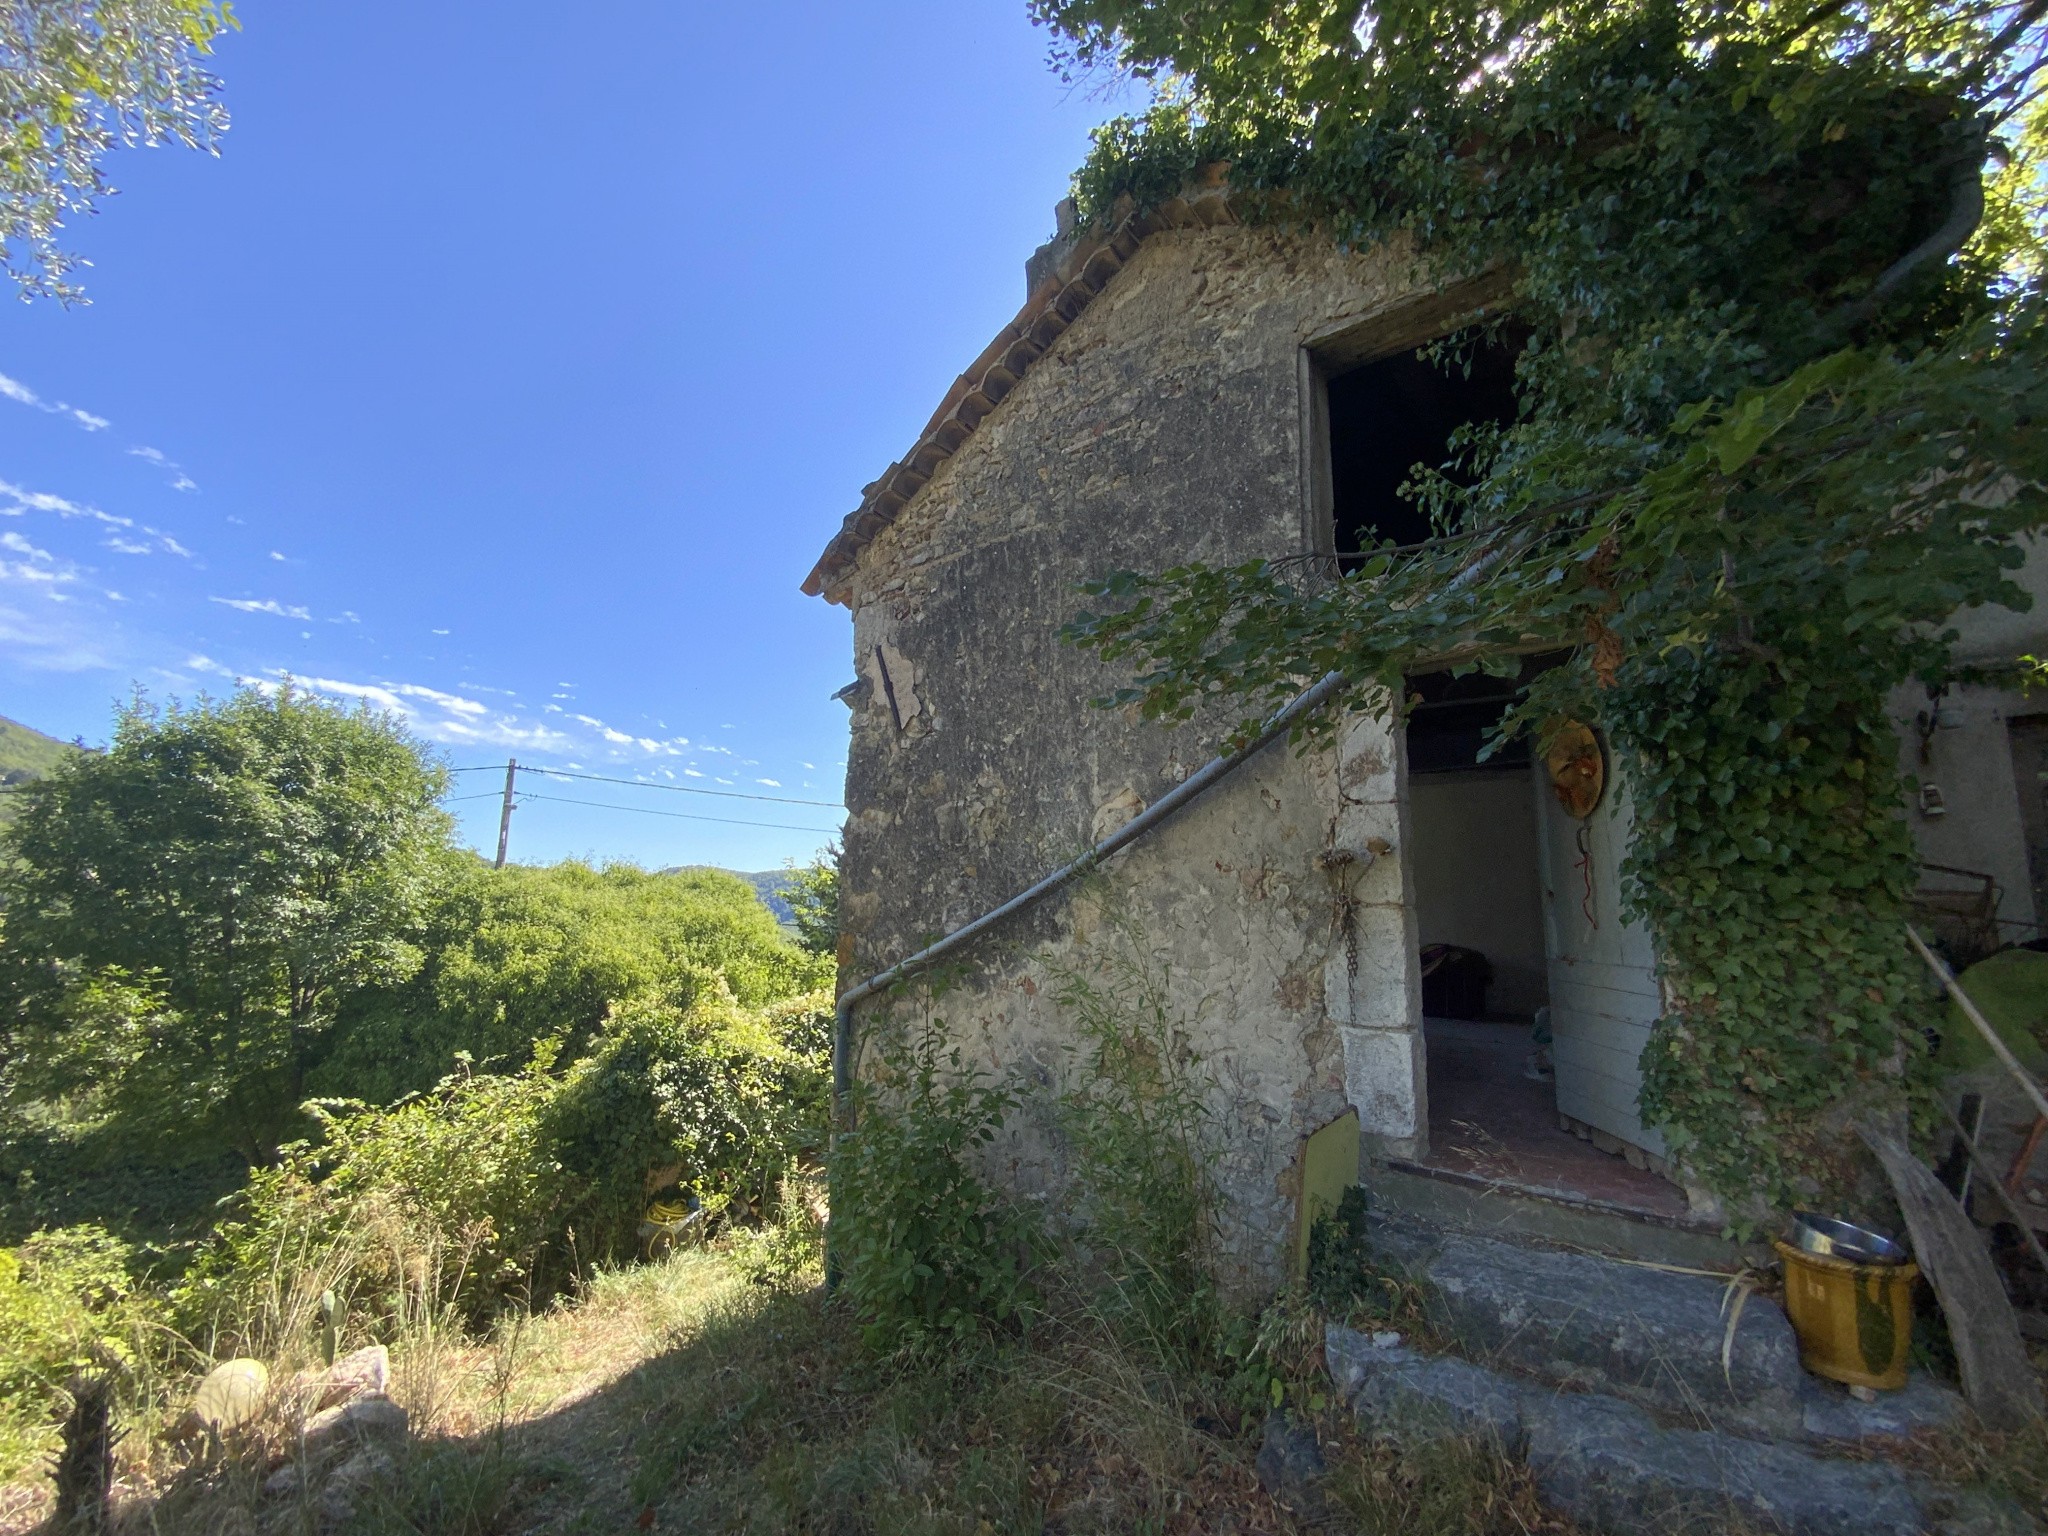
[1187, 387]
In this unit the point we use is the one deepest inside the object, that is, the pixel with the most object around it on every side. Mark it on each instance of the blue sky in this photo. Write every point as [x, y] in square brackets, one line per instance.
[512, 377]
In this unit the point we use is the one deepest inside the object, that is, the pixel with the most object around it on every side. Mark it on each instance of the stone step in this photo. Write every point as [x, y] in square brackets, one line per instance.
[1684, 1346]
[1612, 1467]
[1466, 1203]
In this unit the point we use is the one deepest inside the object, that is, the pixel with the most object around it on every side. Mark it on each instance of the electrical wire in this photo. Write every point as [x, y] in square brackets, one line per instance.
[489, 794]
[641, 810]
[681, 789]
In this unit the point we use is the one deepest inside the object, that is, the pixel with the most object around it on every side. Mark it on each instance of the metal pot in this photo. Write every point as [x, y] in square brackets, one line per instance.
[1835, 1239]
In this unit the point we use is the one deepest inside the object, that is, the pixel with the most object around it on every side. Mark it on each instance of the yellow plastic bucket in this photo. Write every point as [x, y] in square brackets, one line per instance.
[1854, 1321]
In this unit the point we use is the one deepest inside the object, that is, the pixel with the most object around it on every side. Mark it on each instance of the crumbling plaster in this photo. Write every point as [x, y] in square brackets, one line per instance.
[1168, 423]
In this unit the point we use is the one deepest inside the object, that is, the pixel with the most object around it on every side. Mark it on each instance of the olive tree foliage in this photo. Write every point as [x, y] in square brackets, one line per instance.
[184, 912]
[77, 79]
[1779, 264]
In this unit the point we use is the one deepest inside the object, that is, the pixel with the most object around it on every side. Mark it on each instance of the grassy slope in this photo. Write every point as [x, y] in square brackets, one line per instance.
[713, 1392]
[26, 754]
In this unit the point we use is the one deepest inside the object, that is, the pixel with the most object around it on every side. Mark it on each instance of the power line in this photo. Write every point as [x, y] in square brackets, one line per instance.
[489, 794]
[681, 789]
[641, 810]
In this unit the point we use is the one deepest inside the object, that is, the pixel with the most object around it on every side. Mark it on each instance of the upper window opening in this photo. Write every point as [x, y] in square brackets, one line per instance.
[1393, 414]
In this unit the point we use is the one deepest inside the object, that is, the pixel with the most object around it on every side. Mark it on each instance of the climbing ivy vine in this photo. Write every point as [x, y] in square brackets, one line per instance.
[1780, 267]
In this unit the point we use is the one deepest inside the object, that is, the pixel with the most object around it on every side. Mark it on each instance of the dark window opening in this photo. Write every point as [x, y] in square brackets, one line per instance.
[1450, 719]
[1391, 415]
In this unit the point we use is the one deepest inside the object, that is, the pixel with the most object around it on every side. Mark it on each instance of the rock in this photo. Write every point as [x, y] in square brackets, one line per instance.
[1641, 1333]
[1971, 1512]
[1606, 1464]
[1829, 1413]
[1350, 1356]
[348, 1482]
[282, 1483]
[1424, 1397]
[363, 1419]
[1290, 1467]
[231, 1395]
[365, 1372]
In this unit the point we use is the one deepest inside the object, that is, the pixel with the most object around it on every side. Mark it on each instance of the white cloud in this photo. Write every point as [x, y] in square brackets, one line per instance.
[771, 783]
[121, 546]
[691, 773]
[21, 394]
[447, 718]
[264, 605]
[44, 501]
[180, 481]
[198, 663]
[440, 631]
[275, 555]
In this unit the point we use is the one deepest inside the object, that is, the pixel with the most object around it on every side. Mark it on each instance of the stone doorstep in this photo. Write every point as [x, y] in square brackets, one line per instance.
[1609, 1465]
[1643, 1334]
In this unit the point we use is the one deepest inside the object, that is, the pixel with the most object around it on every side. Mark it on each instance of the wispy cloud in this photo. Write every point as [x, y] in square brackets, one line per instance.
[447, 718]
[180, 481]
[21, 394]
[262, 605]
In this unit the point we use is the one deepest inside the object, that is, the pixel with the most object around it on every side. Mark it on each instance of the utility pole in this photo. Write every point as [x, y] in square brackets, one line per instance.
[505, 813]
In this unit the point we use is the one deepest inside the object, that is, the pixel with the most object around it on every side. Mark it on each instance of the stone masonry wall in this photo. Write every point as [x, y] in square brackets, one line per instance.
[1166, 424]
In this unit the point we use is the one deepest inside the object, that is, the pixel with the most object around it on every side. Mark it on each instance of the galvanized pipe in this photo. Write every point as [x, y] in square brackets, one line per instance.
[1277, 724]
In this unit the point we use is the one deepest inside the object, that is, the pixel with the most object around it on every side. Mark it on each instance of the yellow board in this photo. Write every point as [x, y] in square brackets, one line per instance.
[1329, 1166]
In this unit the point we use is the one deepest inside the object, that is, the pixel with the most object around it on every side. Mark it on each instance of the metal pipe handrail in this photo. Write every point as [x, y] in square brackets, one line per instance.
[1216, 769]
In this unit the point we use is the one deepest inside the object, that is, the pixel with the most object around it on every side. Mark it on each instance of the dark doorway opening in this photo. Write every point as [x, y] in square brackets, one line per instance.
[1475, 830]
[1391, 415]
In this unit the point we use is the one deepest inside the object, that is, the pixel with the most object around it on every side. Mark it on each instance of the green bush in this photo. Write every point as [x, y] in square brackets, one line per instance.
[927, 1247]
[66, 1304]
[503, 1187]
[522, 957]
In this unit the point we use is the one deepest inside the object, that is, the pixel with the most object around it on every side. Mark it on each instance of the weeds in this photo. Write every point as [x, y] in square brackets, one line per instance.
[930, 1249]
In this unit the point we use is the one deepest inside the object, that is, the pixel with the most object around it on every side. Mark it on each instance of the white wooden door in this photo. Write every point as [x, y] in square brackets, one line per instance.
[1603, 984]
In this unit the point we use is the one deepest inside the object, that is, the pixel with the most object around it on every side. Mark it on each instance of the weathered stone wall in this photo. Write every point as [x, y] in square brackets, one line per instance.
[1167, 424]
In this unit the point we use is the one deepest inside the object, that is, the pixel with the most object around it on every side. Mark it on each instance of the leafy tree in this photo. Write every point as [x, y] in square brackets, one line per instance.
[529, 958]
[1779, 264]
[184, 911]
[812, 892]
[77, 78]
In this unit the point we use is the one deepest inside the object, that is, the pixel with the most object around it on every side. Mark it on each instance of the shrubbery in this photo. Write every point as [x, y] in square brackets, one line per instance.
[926, 1245]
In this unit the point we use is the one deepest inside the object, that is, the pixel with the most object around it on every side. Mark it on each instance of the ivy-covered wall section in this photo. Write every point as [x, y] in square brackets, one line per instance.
[1780, 266]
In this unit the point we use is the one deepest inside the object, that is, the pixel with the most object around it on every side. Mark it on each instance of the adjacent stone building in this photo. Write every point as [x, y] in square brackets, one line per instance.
[1186, 387]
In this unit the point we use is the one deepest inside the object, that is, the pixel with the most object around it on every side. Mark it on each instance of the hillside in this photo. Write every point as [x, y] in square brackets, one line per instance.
[26, 754]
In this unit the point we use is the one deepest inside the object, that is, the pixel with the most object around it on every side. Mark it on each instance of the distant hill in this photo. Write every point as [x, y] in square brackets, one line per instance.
[769, 885]
[26, 754]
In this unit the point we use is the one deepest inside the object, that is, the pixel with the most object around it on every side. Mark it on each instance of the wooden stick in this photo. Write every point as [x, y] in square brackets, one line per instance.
[2019, 1217]
[1998, 1047]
